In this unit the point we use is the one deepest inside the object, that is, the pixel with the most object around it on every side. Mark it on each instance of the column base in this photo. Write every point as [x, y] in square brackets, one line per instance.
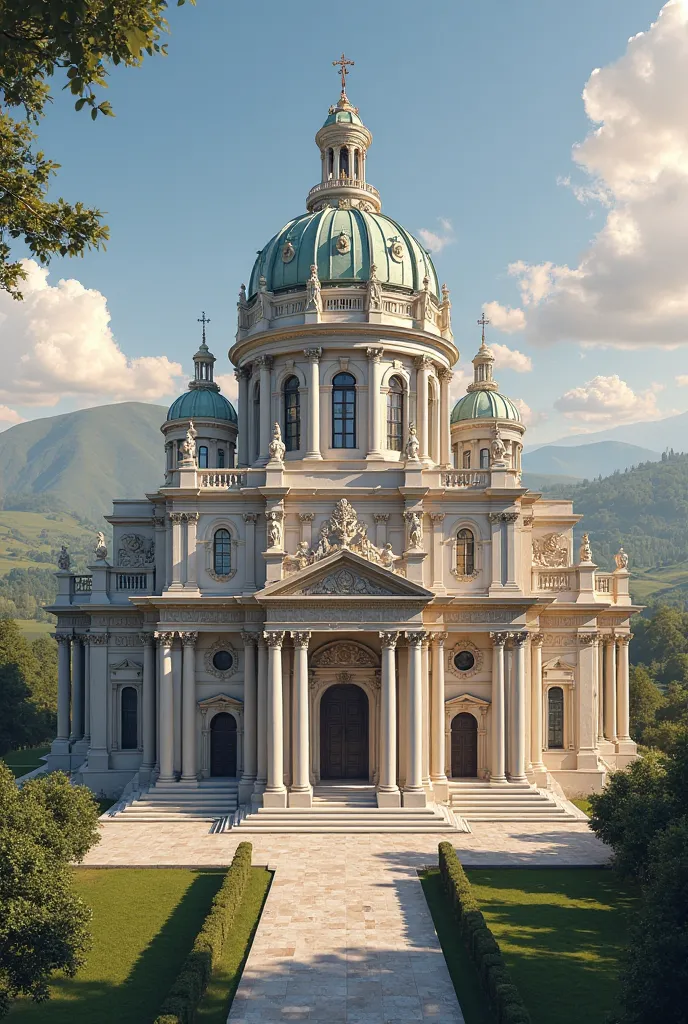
[166, 780]
[587, 759]
[498, 780]
[375, 456]
[625, 746]
[98, 760]
[440, 789]
[313, 455]
[414, 798]
[246, 787]
[275, 798]
[81, 746]
[518, 780]
[300, 798]
[539, 766]
[189, 781]
[59, 746]
[388, 799]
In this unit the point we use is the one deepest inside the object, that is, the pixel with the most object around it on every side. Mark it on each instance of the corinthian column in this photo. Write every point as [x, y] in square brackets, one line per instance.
[388, 791]
[248, 777]
[536, 641]
[423, 366]
[437, 754]
[498, 766]
[313, 438]
[609, 687]
[519, 711]
[264, 363]
[261, 723]
[414, 794]
[166, 711]
[624, 743]
[191, 578]
[189, 765]
[445, 425]
[176, 520]
[148, 702]
[242, 375]
[301, 794]
[60, 744]
[374, 412]
[275, 794]
[78, 687]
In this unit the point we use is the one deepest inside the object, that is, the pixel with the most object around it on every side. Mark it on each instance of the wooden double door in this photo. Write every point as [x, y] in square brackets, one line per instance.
[344, 733]
[464, 746]
[223, 745]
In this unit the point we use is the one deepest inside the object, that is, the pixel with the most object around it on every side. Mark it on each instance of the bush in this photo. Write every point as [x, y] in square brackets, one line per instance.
[182, 1001]
[481, 943]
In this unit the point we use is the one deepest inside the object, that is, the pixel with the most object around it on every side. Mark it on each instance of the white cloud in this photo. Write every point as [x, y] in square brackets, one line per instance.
[504, 318]
[529, 416]
[682, 380]
[9, 417]
[58, 343]
[510, 358]
[630, 287]
[229, 386]
[435, 241]
[463, 376]
[610, 400]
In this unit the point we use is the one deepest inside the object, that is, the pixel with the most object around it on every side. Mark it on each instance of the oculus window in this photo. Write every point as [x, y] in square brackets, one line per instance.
[464, 661]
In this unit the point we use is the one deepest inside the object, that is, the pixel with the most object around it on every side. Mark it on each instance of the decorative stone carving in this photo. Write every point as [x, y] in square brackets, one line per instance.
[623, 639]
[397, 250]
[189, 639]
[380, 518]
[188, 446]
[101, 547]
[343, 652]
[498, 448]
[342, 531]
[249, 638]
[242, 299]
[135, 551]
[503, 517]
[416, 638]
[519, 639]
[288, 252]
[63, 560]
[306, 517]
[313, 292]
[415, 529]
[343, 243]
[277, 447]
[209, 654]
[373, 299]
[389, 639]
[344, 677]
[274, 529]
[413, 444]
[165, 638]
[250, 517]
[301, 638]
[585, 554]
[465, 645]
[527, 520]
[587, 639]
[274, 638]
[499, 639]
[551, 550]
[621, 559]
[537, 639]
[345, 583]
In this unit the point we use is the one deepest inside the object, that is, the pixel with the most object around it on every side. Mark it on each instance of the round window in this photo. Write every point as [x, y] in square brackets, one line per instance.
[223, 661]
[464, 661]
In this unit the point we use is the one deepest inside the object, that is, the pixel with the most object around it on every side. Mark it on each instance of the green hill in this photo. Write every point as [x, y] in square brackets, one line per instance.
[80, 461]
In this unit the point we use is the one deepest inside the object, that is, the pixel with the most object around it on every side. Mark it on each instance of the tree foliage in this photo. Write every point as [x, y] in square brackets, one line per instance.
[28, 688]
[43, 924]
[75, 42]
[659, 678]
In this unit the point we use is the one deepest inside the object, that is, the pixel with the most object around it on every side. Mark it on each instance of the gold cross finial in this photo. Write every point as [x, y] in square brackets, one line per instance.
[344, 66]
[483, 321]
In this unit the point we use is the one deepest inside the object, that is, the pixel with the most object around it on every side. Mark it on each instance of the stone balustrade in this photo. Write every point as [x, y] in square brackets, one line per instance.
[219, 478]
[467, 478]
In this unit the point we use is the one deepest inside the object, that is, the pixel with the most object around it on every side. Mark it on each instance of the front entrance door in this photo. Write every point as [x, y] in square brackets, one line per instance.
[344, 733]
[223, 744]
[464, 746]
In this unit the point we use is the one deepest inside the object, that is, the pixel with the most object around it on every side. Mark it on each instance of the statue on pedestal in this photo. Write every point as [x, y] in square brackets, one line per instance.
[277, 447]
[188, 446]
[621, 559]
[585, 549]
[313, 293]
[63, 560]
[413, 444]
[101, 547]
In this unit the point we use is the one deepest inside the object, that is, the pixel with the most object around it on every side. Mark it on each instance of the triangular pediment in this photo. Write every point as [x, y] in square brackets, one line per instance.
[344, 574]
[221, 700]
[127, 666]
[466, 700]
[558, 664]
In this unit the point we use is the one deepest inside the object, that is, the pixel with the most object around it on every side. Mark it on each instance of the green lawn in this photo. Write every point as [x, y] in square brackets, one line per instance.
[23, 761]
[223, 984]
[583, 804]
[561, 933]
[32, 628]
[144, 923]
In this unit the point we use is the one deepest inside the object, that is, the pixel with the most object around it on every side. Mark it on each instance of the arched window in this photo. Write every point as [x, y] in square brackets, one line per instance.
[555, 718]
[330, 163]
[395, 410]
[344, 162]
[292, 414]
[357, 163]
[255, 426]
[466, 460]
[220, 458]
[465, 553]
[130, 726]
[203, 457]
[222, 553]
[484, 458]
[344, 411]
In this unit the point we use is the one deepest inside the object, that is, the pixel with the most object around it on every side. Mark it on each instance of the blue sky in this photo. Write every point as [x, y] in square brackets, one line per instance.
[474, 109]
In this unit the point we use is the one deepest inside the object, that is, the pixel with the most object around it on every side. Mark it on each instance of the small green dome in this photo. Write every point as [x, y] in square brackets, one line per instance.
[485, 405]
[202, 403]
[343, 244]
[343, 117]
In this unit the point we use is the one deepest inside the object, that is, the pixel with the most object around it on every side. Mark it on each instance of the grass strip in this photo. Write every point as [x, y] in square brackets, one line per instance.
[472, 1000]
[20, 762]
[216, 1003]
[583, 804]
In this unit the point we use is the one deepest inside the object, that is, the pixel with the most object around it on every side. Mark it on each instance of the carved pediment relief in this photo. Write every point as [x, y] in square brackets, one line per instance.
[345, 574]
[343, 653]
[559, 672]
[221, 702]
[134, 667]
[346, 583]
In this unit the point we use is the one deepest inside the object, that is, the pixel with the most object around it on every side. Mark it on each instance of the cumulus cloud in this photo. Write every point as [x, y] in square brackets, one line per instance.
[58, 343]
[504, 318]
[510, 358]
[435, 241]
[228, 385]
[630, 287]
[529, 416]
[610, 400]
[9, 417]
[463, 376]
[682, 380]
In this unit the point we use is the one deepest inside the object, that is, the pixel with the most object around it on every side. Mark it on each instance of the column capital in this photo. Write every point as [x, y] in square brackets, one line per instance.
[416, 638]
[274, 638]
[146, 639]
[314, 354]
[445, 375]
[439, 638]
[264, 362]
[423, 362]
[375, 354]
[437, 517]
[81, 638]
[520, 639]
[242, 373]
[623, 639]
[159, 522]
[189, 639]
[165, 638]
[380, 517]
[62, 638]
[537, 639]
[608, 639]
[499, 639]
[301, 638]
[587, 639]
[306, 517]
[389, 639]
[250, 517]
[175, 517]
[249, 638]
[189, 517]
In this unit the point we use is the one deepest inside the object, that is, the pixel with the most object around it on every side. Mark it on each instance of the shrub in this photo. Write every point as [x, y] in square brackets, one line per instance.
[480, 942]
[183, 998]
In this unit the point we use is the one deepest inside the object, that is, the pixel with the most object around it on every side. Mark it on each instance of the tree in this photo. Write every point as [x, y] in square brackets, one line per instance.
[78, 40]
[28, 688]
[43, 924]
[645, 699]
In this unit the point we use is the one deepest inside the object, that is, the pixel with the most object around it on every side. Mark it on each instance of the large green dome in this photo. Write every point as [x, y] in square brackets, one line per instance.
[202, 403]
[343, 244]
[484, 405]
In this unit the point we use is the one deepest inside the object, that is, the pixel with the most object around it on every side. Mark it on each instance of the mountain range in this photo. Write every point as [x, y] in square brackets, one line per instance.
[657, 434]
[585, 461]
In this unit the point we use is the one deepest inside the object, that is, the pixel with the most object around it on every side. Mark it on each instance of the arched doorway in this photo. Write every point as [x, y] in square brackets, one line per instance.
[464, 746]
[344, 733]
[223, 745]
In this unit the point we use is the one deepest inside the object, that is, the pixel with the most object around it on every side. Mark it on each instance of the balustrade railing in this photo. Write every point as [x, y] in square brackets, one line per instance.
[221, 478]
[556, 580]
[323, 186]
[135, 582]
[82, 584]
[603, 583]
[466, 478]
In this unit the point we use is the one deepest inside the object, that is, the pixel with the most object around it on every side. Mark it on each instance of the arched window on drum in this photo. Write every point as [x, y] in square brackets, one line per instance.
[465, 553]
[292, 414]
[344, 411]
[222, 553]
[395, 415]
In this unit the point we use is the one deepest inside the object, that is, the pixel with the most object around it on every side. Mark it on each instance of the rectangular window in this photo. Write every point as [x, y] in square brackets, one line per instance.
[220, 458]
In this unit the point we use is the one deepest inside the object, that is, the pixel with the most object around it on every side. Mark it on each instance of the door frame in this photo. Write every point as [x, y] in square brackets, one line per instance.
[320, 681]
[210, 744]
[480, 709]
[473, 719]
[210, 707]
[364, 705]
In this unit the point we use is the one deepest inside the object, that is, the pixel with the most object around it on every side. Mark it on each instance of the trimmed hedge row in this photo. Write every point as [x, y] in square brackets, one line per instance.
[183, 998]
[481, 943]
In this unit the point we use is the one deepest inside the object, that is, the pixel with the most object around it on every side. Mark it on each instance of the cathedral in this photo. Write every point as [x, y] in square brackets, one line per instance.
[343, 581]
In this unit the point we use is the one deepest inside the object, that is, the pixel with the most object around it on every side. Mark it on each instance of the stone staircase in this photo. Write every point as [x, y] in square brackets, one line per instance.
[174, 801]
[348, 808]
[476, 800]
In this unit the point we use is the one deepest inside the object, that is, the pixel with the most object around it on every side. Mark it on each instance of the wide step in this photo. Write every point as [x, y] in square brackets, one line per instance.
[479, 801]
